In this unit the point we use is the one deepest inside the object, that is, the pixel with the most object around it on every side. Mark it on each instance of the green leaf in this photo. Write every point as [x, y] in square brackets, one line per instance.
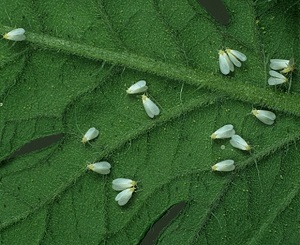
[71, 74]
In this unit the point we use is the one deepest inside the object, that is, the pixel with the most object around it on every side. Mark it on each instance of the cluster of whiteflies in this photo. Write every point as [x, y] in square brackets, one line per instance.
[280, 69]
[227, 60]
[127, 187]
[98, 167]
[150, 107]
[230, 58]
[15, 35]
[227, 131]
[284, 67]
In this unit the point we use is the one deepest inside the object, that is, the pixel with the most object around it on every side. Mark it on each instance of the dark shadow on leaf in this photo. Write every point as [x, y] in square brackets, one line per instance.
[37, 144]
[216, 9]
[167, 217]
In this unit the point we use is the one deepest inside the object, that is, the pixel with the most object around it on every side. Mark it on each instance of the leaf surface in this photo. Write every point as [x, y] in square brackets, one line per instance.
[71, 74]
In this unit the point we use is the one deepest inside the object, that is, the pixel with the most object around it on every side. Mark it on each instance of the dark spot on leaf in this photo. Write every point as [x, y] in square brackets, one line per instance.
[37, 144]
[166, 218]
[217, 9]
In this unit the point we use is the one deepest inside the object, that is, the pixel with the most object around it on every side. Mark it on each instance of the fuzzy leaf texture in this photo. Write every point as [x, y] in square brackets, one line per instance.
[71, 73]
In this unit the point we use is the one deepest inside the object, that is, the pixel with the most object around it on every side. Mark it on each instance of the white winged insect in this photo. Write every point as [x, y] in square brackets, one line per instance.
[238, 142]
[120, 184]
[224, 132]
[224, 62]
[285, 66]
[91, 134]
[267, 117]
[150, 107]
[138, 87]
[236, 56]
[124, 196]
[100, 167]
[230, 58]
[126, 186]
[276, 78]
[15, 35]
[224, 166]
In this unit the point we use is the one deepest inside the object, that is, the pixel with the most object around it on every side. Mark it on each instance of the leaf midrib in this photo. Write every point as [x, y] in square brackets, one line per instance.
[287, 103]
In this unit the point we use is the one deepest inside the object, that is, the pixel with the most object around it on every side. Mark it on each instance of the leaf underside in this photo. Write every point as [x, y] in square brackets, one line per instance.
[71, 74]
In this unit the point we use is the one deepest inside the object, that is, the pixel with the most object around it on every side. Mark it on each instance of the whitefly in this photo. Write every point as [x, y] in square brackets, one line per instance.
[224, 132]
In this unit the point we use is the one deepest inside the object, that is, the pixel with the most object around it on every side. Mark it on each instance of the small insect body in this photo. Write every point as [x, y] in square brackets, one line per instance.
[230, 58]
[278, 64]
[224, 132]
[15, 35]
[290, 67]
[236, 56]
[123, 183]
[267, 117]
[285, 66]
[224, 166]
[138, 87]
[91, 134]
[150, 107]
[126, 186]
[100, 167]
[124, 196]
[224, 62]
[276, 78]
[238, 142]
